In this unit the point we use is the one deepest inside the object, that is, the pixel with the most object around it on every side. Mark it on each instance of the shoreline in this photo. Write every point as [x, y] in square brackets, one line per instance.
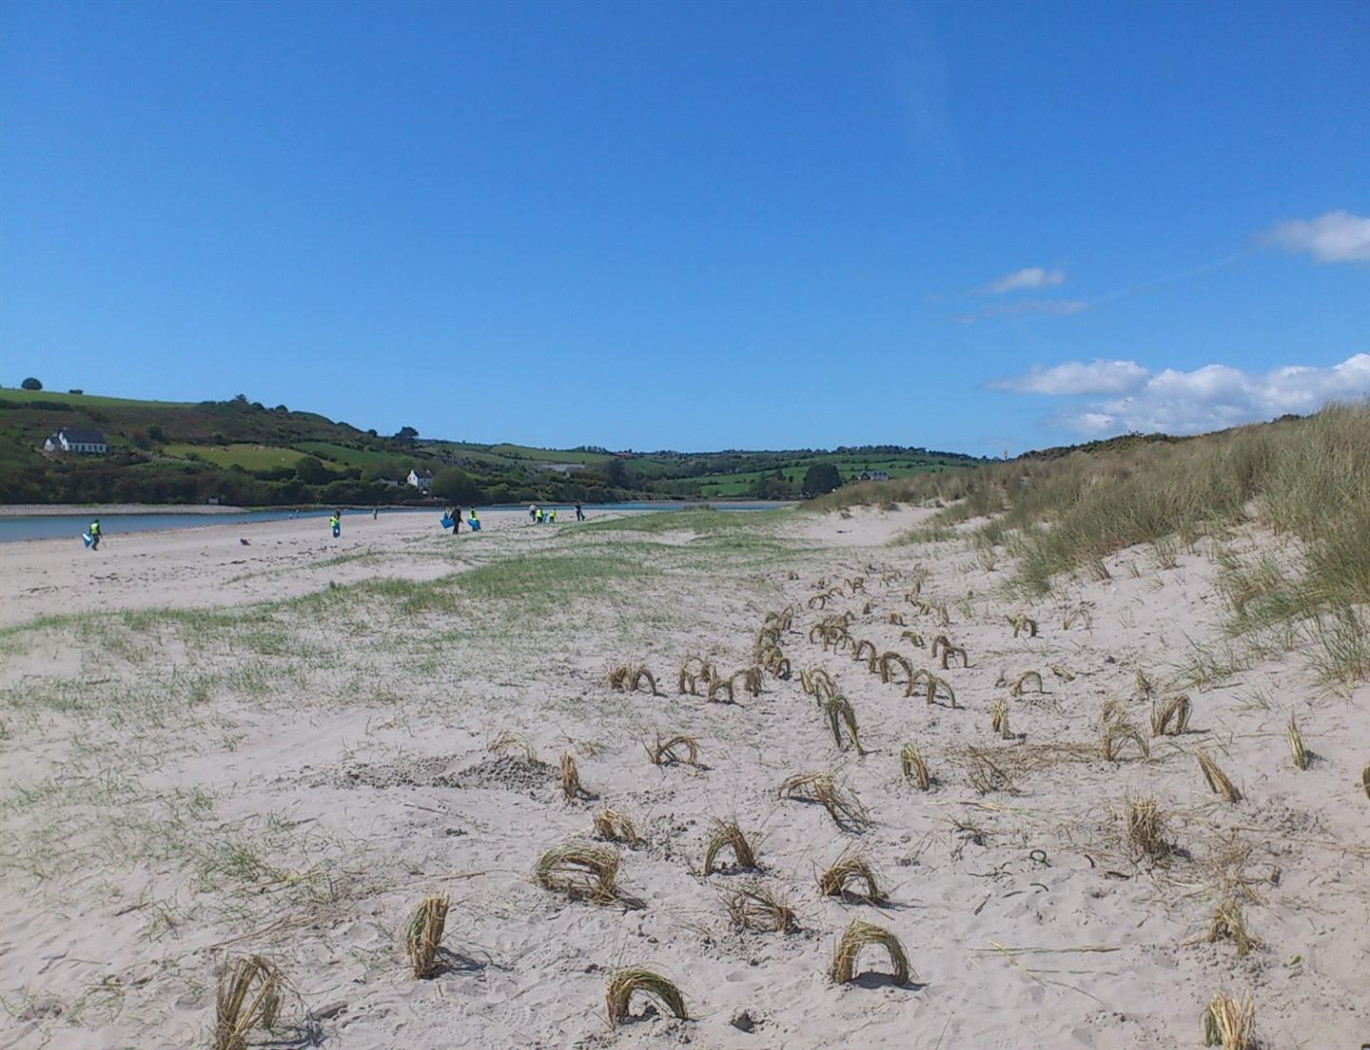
[58, 510]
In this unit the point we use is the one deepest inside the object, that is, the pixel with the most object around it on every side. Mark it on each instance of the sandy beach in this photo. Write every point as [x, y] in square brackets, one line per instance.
[256, 739]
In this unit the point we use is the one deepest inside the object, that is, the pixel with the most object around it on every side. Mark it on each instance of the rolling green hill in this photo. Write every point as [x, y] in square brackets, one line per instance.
[244, 453]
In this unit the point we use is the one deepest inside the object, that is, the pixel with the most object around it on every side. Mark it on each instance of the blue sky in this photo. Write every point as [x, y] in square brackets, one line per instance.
[965, 226]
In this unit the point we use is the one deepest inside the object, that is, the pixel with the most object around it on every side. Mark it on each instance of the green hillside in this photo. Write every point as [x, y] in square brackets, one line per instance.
[244, 453]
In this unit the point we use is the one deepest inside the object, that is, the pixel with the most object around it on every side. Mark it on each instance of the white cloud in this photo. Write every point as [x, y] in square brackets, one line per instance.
[1177, 402]
[1056, 307]
[1033, 278]
[1337, 236]
[1074, 377]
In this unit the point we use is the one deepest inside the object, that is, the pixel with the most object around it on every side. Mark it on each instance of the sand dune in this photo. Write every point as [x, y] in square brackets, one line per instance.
[211, 748]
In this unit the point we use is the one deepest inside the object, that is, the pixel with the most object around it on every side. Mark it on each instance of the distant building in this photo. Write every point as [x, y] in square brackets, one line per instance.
[875, 475]
[70, 440]
[421, 479]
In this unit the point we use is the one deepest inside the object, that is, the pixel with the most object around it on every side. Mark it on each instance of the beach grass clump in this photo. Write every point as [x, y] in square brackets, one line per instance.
[841, 719]
[721, 691]
[629, 678]
[891, 660]
[727, 835]
[865, 650]
[913, 638]
[1229, 1023]
[1063, 672]
[1023, 680]
[1171, 718]
[817, 683]
[1079, 614]
[248, 996]
[756, 907]
[571, 787]
[998, 719]
[1146, 829]
[838, 880]
[613, 826]
[1217, 780]
[581, 870]
[858, 936]
[423, 934]
[672, 750]
[624, 984]
[844, 807]
[1117, 734]
[695, 672]
[1022, 622]
[913, 767]
[985, 775]
[1365, 780]
[1296, 748]
[510, 741]
[1229, 924]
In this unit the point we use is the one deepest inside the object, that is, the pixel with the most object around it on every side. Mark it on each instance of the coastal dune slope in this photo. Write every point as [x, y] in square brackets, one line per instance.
[201, 760]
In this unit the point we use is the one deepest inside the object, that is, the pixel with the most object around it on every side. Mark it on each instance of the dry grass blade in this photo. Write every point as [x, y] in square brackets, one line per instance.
[1296, 747]
[721, 691]
[1080, 613]
[624, 983]
[1365, 780]
[842, 721]
[1116, 735]
[1228, 924]
[837, 880]
[860, 935]
[751, 679]
[581, 870]
[1217, 779]
[613, 826]
[896, 619]
[985, 775]
[894, 659]
[1022, 681]
[998, 719]
[1023, 622]
[423, 935]
[727, 835]
[1062, 672]
[755, 907]
[1112, 711]
[845, 809]
[913, 766]
[1142, 682]
[511, 741]
[1175, 709]
[1146, 829]
[1230, 1024]
[668, 752]
[694, 672]
[913, 638]
[627, 678]
[248, 996]
[934, 686]
[865, 650]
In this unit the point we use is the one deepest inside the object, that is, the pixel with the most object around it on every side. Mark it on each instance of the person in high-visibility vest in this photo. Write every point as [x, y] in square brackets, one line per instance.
[95, 535]
[552, 515]
[335, 523]
[474, 521]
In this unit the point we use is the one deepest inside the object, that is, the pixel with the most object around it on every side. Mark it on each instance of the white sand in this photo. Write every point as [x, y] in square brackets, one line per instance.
[286, 749]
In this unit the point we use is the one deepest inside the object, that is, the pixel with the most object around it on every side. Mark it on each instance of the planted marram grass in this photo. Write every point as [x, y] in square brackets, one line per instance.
[1172, 717]
[1229, 924]
[423, 934]
[756, 907]
[727, 835]
[844, 807]
[613, 826]
[1217, 780]
[913, 767]
[1146, 829]
[674, 749]
[1296, 748]
[248, 997]
[849, 870]
[581, 870]
[624, 984]
[859, 936]
[1229, 1023]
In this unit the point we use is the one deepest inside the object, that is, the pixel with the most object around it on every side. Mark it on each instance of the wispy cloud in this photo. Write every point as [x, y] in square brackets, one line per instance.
[1075, 377]
[1034, 278]
[1335, 237]
[1179, 402]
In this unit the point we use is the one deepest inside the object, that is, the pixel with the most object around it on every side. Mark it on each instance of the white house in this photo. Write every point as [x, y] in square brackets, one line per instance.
[874, 475]
[421, 479]
[70, 440]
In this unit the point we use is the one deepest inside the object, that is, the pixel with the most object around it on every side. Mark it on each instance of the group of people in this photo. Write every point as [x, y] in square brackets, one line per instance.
[538, 516]
[452, 519]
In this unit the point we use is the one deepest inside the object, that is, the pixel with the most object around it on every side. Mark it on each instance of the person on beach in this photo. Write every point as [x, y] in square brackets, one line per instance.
[580, 514]
[375, 513]
[538, 518]
[533, 512]
[552, 516]
[456, 521]
[335, 523]
[95, 535]
[474, 521]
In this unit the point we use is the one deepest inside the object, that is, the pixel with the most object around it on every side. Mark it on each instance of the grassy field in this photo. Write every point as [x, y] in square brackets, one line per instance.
[249, 457]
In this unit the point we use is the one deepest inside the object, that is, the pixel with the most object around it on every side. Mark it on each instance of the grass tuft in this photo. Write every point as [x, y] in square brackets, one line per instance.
[1228, 924]
[913, 766]
[1296, 748]
[754, 907]
[845, 808]
[613, 826]
[860, 935]
[1117, 733]
[1217, 780]
[623, 984]
[1230, 1024]
[849, 868]
[1176, 709]
[727, 835]
[248, 996]
[669, 751]
[423, 934]
[581, 870]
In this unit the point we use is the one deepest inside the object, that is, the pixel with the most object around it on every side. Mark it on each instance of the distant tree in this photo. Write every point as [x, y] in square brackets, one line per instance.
[456, 486]
[154, 431]
[75, 390]
[617, 472]
[240, 398]
[31, 384]
[310, 469]
[819, 479]
[406, 435]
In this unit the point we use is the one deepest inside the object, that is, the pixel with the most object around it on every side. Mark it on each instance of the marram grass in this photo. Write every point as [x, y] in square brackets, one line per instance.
[581, 870]
[423, 934]
[248, 996]
[755, 907]
[624, 984]
[1229, 1023]
[914, 768]
[727, 835]
[860, 935]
